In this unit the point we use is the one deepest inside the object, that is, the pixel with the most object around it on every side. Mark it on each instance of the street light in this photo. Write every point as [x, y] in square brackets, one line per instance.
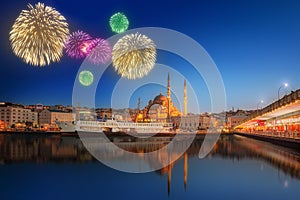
[260, 102]
[285, 85]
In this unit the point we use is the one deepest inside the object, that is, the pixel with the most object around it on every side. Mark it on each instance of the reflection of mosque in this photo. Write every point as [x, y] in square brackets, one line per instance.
[235, 148]
[161, 108]
[61, 149]
[168, 169]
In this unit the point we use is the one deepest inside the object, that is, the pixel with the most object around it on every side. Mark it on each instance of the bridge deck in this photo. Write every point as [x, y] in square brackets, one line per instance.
[279, 120]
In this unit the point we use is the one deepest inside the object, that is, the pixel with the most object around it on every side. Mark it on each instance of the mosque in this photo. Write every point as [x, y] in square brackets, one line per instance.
[161, 108]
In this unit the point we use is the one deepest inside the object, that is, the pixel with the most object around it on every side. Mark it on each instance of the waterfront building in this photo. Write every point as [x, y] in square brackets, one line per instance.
[50, 116]
[217, 122]
[104, 113]
[190, 122]
[199, 122]
[13, 114]
[204, 121]
[235, 120]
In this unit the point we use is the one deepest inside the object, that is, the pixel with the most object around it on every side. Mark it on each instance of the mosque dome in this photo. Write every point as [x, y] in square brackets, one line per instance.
[160, 99]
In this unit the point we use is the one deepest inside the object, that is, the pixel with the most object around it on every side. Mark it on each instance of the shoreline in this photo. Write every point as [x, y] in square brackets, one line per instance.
[285, 142]
[30, 132]
[108, 134]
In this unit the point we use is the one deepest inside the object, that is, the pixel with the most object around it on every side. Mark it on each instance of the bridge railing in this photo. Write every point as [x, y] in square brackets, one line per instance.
[287, 99]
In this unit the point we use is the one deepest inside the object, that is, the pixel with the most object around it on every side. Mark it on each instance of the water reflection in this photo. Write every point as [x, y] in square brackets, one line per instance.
[33, 148]
[237, 148]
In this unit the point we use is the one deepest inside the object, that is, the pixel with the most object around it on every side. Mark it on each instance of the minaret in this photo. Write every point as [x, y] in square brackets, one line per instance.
[169, 88]
[184, 100]
[169, 96]
[139, 104]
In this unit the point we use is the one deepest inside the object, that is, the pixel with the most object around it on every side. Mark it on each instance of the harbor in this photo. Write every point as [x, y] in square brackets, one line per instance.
[33, 155]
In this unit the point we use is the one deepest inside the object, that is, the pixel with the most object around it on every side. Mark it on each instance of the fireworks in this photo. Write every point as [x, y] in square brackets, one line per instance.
[86, 78]
[38, 35]
[99, 51]
[134, 56]
[77, 44]
[118, 23]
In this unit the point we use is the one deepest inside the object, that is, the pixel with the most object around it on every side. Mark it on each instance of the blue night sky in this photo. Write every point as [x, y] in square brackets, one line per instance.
[255, 45]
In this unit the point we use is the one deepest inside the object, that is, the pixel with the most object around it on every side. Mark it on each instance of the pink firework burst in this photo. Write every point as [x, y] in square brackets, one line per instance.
[99, 51]
[77, 44]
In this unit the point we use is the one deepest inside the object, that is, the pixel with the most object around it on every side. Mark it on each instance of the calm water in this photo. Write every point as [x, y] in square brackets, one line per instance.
[54, 167]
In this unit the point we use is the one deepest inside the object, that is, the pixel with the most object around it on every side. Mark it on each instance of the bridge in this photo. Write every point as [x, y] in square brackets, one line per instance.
[279, 120]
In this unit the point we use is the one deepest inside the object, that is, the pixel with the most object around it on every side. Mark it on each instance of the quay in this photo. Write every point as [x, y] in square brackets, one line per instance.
[278, 140]
[31, 132]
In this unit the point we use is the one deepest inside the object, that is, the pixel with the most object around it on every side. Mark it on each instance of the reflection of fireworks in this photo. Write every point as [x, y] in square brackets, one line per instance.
[118, 23]
[38, 35]
[134, 56]
[77, 44]
[99, 51]
[86, 78]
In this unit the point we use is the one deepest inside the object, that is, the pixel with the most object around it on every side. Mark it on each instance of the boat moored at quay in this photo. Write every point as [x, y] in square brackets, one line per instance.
[112, 126]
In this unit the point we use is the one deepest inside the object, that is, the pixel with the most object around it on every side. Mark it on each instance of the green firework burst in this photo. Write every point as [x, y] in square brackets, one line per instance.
[118, 23]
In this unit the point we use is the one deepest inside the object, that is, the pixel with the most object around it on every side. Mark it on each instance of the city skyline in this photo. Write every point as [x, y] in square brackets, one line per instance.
[254, 44]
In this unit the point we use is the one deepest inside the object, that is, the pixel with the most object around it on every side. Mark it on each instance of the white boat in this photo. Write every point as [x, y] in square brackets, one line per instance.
[112, 126]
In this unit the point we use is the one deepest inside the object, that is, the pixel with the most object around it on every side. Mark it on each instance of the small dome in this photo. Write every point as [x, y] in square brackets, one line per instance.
[159, 99]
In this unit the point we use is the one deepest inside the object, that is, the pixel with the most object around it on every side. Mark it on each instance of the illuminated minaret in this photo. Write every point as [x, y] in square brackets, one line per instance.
[184, 100]
[169, 88]
[185, 169]
[169, 96]
[139, 104]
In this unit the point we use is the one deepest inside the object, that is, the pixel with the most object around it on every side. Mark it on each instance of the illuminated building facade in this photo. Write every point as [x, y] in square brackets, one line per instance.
[16, 114]
[160, 109]
[50, 116]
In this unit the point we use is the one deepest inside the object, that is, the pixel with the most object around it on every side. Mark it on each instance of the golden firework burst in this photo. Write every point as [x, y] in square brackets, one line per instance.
[134, 56]
[38, 35]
